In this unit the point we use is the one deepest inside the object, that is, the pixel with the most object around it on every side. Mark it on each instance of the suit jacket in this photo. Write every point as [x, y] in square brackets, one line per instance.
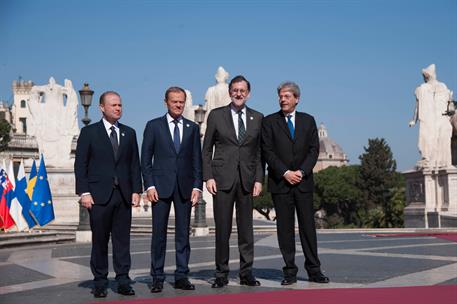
[163, 167]
[283, 153]
[229, 155]
[96, 166]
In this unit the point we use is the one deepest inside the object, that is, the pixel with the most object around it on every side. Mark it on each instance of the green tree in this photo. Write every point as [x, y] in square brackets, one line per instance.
[377, 182]
[264, 203]
[337, 193]
[5, 129]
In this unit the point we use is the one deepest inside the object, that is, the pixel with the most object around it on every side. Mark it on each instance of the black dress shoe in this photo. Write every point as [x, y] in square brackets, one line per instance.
[100, 292]
[126, 290]
[219, 283]
[318, 278]
[157, 286]
[249, 281]
[288, 281]
[184, 284]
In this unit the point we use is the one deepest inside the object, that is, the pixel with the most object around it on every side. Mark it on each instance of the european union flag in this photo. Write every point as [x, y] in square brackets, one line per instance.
[42, 207]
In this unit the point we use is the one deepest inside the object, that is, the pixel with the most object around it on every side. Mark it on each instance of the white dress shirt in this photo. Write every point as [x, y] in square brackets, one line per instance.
[235, 118]
[171, 126]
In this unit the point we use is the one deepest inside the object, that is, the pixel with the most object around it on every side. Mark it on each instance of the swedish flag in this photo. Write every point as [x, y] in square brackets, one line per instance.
[32, 180]
[42, 207]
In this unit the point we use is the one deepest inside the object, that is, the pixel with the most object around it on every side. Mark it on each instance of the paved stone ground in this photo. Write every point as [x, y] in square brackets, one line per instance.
[60, 273]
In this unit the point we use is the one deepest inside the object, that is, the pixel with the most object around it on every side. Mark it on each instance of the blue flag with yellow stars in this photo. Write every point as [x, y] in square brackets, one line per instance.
[42, 208]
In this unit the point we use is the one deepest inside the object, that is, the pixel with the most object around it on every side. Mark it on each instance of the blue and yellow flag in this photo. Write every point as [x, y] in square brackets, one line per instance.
[32, 180]
[42, 207]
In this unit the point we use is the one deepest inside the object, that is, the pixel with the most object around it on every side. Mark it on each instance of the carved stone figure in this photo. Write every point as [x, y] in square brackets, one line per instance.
[433, 99]
[189, 111]
[218, 95]
[53, 111]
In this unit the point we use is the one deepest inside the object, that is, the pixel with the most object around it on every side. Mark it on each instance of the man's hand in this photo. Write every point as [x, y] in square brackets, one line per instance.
[135, 200]
[86, 201]
[152, 195]
[211, 186]
[257, 189]
[293, 177]
[195, 197]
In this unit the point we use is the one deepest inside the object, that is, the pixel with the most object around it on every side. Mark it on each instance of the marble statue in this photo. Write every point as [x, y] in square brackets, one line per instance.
[189, 111]
[53, 110]
[218, 95]
[433, 100]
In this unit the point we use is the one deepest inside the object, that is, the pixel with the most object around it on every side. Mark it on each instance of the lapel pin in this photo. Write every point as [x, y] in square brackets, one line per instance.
[252, 118]
[123, 134]
[187, 125]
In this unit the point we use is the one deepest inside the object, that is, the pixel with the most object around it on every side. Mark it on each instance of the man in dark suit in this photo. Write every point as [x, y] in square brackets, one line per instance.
[171, 165]
[234, 173]
[108, 180]
[290, 146]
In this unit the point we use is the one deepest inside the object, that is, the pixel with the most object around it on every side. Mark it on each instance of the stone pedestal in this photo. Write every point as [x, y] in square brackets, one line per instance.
[431, 194]
[62, 183]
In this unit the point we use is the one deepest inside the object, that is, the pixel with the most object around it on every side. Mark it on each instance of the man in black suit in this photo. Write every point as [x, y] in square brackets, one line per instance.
[290, 146]
[171, 165]
[108, 180]
[234, 173]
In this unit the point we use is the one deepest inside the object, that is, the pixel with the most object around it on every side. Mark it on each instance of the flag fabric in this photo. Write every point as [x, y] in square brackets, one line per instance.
[32, 180]
[42, 208]
[22, 197]
[6, 187]
[11, 199]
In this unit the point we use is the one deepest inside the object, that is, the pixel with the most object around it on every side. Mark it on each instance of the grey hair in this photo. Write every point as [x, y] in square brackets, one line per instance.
[290, 86]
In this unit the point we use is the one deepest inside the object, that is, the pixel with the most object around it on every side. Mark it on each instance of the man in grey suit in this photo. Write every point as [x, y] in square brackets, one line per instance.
[233, 175]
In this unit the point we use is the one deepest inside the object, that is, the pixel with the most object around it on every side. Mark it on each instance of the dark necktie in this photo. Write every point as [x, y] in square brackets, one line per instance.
[291, 126]
[176, 140]
[241, 128]
[114, 142]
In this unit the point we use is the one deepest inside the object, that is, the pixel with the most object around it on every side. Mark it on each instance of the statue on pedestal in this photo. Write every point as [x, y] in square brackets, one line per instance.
[54, 119]
[217, 95]
[433, 103]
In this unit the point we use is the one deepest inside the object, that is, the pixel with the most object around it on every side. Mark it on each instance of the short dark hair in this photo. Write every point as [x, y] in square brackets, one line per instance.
[175, 90]
[239, 78]
[102, 97]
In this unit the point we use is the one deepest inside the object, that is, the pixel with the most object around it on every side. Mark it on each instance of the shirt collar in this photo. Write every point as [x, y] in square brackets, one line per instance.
[108, 125]
[291, 114]
[171, 119]
[235, 111]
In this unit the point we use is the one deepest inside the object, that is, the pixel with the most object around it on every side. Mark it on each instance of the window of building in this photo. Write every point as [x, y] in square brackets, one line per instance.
[23, 104]
[2, 115]
[23, 122]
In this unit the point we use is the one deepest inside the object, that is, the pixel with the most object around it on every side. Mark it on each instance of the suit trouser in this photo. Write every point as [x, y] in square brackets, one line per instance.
[160, 214]
[223, 215]
[285, 206]
[113, 219]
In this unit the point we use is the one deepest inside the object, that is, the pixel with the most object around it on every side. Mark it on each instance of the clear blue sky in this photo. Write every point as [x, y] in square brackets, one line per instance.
[357, 62]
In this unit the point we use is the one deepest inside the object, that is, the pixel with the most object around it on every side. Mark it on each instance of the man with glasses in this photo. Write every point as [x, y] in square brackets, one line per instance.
[233, 173]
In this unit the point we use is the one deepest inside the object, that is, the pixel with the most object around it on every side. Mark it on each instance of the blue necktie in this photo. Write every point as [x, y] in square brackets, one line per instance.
[176, 140]
[291, 126]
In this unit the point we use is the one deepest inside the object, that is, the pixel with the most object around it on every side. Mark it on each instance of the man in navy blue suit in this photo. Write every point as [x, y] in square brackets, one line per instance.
[108, 180]
[171, 165]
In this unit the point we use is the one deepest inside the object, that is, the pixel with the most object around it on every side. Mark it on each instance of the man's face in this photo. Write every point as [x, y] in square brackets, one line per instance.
[239, 93]
[111, 108]
[175, 103]
[287, 101]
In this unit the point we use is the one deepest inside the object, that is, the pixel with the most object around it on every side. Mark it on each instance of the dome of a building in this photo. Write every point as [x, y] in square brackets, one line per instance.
[330, 153]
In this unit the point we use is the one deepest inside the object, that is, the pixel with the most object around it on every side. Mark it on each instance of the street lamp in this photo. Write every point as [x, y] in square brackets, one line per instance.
[200, 228]
[83, 232]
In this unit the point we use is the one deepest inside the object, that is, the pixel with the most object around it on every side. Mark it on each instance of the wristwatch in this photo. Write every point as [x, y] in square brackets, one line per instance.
[302, 173]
